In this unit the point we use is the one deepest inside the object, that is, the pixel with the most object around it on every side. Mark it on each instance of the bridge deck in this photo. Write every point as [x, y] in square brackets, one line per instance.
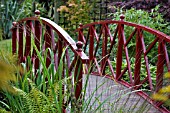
[120, 97]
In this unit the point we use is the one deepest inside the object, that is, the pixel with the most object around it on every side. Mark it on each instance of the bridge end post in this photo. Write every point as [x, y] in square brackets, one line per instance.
[78, 75]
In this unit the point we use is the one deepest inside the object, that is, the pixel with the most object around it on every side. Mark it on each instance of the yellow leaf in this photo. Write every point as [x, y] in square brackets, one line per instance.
[159, 97]
[165, 89]
[167, 75]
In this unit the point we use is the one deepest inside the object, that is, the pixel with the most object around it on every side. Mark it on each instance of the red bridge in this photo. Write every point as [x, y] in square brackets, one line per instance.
[112, 49]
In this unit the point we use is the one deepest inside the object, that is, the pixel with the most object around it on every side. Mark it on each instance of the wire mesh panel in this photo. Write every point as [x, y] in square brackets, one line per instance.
[98, 11]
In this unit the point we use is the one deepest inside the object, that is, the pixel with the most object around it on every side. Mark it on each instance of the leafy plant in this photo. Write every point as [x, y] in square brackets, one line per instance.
[75, 12]
[12, 10]
[9, 13]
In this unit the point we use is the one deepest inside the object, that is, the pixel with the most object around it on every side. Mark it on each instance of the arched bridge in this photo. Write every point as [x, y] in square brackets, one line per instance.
[116, 51]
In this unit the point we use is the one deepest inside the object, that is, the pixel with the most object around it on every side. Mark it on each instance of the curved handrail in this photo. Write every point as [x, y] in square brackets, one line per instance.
[43, 32]
[62, 32]
[148, 29]
[99, 34]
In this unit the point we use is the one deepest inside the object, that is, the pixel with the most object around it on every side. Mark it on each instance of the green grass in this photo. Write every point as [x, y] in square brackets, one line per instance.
[6, 45]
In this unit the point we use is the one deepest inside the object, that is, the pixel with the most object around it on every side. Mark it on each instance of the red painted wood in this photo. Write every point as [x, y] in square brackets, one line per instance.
[48, 45]
[113, 41]
[37, 39]
[121, 45]
[146, 62]
[98, 38]
[138, 56]
[89, 40]
[48, 42]
[78, 79]
[14, 38]
[91, 45]
[119, 54]
[20, 44]
[60, 49]
[67, 58]
[166, 56]
[160, 64]
[80, 35]
[126, 53]
[28, 38]
[111, 69]
[104, 50]
[97, 66]
[78, 72]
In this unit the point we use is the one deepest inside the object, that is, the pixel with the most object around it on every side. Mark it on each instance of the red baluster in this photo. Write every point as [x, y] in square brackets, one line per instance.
[28, 38]
[138, 55]
[48, 37]
[160, 64]
[104, 50]
[78, 71]
[20, 48]
[14, 37]
[91, 46]
[37, 40]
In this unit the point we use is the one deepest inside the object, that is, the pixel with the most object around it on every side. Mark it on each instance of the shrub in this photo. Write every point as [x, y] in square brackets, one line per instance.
[75, 12]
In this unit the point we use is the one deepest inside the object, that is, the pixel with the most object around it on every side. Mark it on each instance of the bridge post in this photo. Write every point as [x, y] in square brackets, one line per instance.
[120, 49]
[14, 37]
[37, 37]
[78, 73]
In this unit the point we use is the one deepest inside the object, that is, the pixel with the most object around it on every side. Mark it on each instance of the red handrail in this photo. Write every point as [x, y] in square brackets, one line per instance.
[99, 35]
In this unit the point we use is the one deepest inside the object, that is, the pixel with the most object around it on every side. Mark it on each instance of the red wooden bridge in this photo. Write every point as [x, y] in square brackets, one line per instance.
[112, 49]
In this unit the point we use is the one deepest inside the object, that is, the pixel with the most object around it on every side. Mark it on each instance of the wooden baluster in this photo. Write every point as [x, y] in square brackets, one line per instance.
[14, 37]
[20, 48]
[80, 36]
[78, 71]
[138, 55]
[104, 50]
[48, 37]
[38, 33]
[60, 49]
[37, 39]
[91, 46]
[67, 56]
[28, 28]
[28, 38]
[160, 64]
[119, 54]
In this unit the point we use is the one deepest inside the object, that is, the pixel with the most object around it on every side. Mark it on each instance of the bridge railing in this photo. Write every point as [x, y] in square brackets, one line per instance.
[33, 34]
[132, 54]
